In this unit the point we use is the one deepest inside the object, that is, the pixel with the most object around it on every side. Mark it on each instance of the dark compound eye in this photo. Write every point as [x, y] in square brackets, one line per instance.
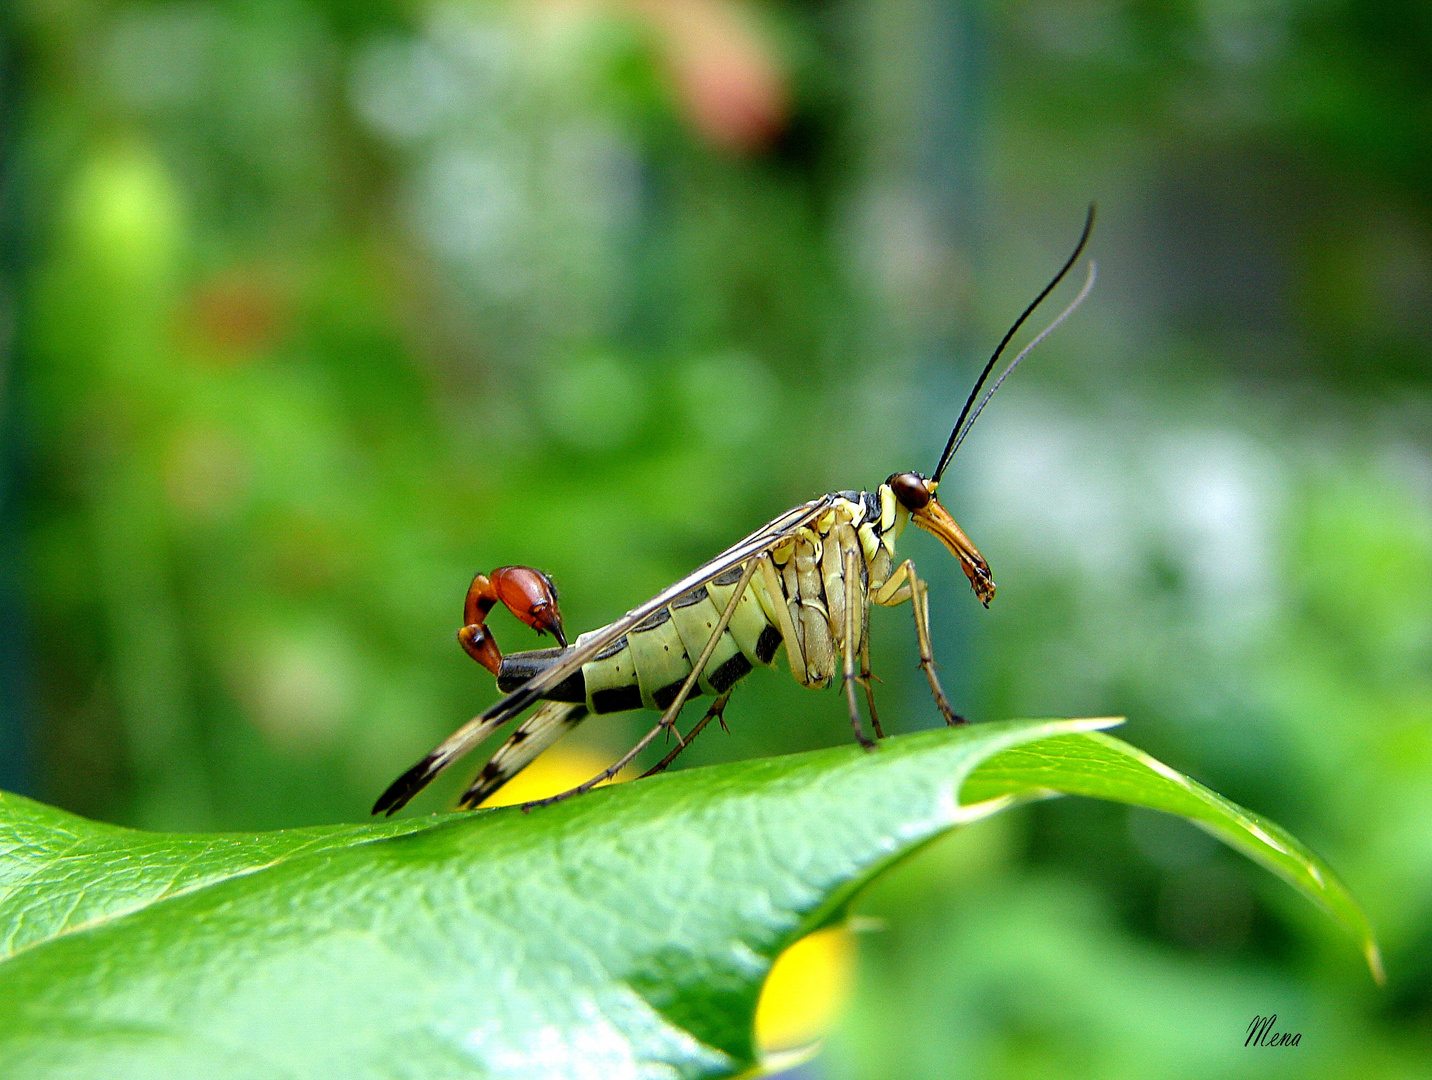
[911, 489]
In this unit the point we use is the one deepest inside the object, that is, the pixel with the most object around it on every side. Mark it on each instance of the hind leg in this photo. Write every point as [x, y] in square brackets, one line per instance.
[717, 712]
[668, 718]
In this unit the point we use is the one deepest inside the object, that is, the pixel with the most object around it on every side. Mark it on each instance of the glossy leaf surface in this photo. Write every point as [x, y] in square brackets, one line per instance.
[623, 934]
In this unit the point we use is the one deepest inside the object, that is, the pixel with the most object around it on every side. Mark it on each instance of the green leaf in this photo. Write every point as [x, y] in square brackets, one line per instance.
[1103, 767]
[622, 934]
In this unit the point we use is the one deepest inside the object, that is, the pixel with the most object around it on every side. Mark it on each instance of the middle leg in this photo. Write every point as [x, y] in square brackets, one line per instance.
[851, 632]
[867, 680]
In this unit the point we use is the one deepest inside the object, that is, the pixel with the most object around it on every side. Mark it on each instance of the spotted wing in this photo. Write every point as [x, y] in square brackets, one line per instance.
[480, 727]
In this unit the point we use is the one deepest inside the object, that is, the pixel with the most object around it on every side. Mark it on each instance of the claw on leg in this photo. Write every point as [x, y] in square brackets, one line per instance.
[680, 742]
[716, 712]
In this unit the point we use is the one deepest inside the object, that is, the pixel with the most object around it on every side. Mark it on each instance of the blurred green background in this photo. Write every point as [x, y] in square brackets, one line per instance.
[311, 310]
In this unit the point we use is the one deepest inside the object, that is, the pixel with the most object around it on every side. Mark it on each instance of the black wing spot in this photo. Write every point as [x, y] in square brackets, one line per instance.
[408, 785]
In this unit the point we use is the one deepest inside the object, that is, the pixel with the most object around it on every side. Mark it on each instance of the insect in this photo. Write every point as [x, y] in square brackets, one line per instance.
[805, 580]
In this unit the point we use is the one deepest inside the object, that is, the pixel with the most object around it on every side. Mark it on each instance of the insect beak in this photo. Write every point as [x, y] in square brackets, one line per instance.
[934, 518]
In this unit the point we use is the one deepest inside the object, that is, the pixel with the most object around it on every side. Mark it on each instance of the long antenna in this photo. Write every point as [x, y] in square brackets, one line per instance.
[1083, 292]
[960, 424]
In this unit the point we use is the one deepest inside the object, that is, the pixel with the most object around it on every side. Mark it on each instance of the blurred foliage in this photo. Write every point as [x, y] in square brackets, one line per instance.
[327, 306]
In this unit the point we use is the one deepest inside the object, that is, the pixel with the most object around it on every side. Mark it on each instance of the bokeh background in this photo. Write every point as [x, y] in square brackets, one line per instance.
[310, 310]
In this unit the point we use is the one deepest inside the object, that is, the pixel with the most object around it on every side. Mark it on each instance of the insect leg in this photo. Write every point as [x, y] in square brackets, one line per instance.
[860, 594]
[920, 605]
[780, 609]
[848, 648]
[896, 589]
[867, 681]
[669, 717]
[546, 725]
[716, 712]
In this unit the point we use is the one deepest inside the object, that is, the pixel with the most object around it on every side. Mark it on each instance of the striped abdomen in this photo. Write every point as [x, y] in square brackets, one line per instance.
[646, 667]
[799, 597]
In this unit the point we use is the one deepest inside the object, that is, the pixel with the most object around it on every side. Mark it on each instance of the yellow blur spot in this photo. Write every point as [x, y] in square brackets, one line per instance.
[559, 769]
[808, 986]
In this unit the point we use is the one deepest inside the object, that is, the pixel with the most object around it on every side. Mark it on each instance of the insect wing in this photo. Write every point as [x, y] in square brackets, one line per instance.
[762, 540]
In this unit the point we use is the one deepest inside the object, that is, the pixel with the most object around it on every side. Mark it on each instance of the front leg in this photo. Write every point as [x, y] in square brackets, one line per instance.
[906, 584]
